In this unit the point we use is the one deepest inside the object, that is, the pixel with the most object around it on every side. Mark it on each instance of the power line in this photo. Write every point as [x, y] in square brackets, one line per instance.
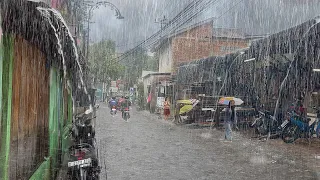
[177, 26]
[192, 16]
[121, 45]
[214, 19]
[204, 20]
[175, 9]
[197, 7]
[176, 18]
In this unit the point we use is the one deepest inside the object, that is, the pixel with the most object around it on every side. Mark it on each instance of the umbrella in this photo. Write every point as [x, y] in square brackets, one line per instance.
[185, 109]
[186, 101]
[189, 101]
[226, 100]
[189, 104]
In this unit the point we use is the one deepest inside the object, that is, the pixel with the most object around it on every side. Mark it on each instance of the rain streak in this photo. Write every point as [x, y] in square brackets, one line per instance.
[159, 89]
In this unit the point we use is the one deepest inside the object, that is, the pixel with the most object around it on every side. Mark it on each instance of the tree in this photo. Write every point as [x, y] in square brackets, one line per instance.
[102, 62]
[136, 63]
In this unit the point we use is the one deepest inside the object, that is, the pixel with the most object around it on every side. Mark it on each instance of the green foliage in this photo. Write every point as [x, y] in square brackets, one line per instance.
[102, 62]
[136, 63]
[141, 99]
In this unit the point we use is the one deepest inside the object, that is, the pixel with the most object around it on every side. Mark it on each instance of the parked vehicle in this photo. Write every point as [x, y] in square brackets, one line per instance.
[82, 130]
[83, 162]
[184, 112]
[126, 114]
[317, 123]
[267, 124]
[300, 127]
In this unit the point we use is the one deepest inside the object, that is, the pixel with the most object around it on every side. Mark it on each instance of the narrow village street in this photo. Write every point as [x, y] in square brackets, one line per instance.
[150, 148]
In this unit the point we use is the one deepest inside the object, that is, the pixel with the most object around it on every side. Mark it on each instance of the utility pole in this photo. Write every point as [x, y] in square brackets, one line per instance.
[162, 21]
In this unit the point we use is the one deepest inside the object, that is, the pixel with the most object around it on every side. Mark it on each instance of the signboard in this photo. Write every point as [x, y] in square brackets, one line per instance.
[118, 82]
[113, 89]
[160, 101]
[121, 86]
[131, 91]
[113, 83]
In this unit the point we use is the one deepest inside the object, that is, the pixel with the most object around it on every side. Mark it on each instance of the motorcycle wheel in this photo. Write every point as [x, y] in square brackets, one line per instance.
[290, 134]
[261, 127]
[125, 117]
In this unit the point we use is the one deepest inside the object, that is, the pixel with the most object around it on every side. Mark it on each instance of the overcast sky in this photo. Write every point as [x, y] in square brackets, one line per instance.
[252, 16]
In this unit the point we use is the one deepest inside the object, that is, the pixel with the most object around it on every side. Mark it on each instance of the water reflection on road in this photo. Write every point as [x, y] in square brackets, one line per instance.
[150, 148]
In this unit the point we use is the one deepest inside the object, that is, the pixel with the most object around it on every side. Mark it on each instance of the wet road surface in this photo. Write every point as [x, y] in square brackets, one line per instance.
[148, 148]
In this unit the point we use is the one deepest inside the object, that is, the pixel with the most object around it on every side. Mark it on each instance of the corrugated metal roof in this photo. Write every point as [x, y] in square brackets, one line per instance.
[228, 33]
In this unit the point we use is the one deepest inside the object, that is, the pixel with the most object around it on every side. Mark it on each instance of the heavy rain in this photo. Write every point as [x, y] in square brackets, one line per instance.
[159, 89]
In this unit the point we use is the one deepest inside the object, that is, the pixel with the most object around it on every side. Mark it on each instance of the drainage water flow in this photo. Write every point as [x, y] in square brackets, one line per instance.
[45, 12]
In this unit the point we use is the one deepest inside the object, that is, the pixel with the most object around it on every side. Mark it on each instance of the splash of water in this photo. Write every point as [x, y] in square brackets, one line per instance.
[206, 135]
[45, 12]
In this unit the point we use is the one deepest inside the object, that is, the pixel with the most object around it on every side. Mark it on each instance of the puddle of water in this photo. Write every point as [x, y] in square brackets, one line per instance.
[258, 160]
[206, 135]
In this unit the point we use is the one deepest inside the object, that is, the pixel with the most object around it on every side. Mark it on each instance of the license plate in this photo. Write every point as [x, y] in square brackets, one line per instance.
[284, 123]
[113, 109]
[80, 163]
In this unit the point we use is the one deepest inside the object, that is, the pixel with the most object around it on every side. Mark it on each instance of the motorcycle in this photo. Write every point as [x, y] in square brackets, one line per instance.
[83, 162]
[125, 114]
[82, 130]
[300, 127]
[113, 110]
[266, 123]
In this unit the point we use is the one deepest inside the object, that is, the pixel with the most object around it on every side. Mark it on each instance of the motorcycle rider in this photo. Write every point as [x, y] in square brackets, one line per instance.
[120, 101]
[112, 103]
[125, 104]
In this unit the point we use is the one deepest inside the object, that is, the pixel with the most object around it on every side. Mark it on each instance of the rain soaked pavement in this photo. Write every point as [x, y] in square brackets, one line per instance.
[150, 148]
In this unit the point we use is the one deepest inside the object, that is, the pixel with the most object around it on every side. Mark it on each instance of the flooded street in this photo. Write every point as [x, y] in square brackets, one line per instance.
[150, 148]
[216, 89]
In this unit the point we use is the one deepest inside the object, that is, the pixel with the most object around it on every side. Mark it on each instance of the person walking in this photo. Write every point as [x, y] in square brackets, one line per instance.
[166, 108]
[230, 119]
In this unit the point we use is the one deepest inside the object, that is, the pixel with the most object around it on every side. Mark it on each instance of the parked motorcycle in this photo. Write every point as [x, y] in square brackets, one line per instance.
[300, 127]
[266, 123]
[83, 162]
[82, 130]
[126, 114]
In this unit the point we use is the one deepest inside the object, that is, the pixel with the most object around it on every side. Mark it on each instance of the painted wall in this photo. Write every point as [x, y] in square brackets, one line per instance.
[35, 113]
[146, 83]
[6, 102]
[30, 109]
[165, 58]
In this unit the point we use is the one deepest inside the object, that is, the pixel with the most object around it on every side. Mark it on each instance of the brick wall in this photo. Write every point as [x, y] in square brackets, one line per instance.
[165, 58]
[226, 46]
[190, 49]
[196, 43]
[201, 32]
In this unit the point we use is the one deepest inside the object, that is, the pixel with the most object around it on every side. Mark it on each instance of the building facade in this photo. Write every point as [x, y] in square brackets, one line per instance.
[36, 100]
[199, 41]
